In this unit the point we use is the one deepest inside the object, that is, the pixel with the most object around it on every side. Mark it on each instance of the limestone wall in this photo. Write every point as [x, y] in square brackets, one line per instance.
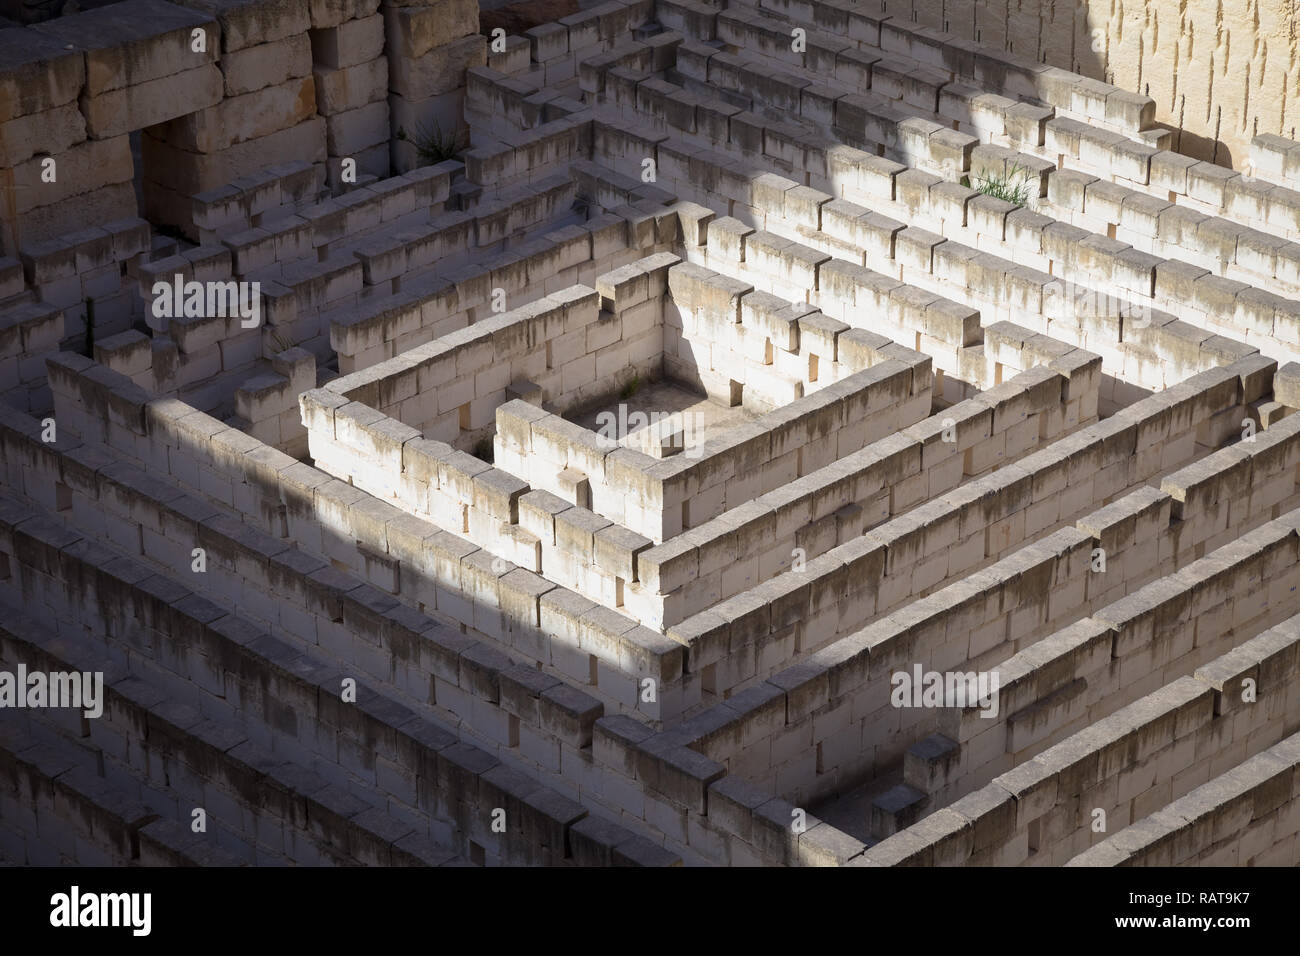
[829, 508]
[193, 445]
[1061, 684]
[746, 461]
[80, 817]
[1014, 263]
[561, 349]
[193, 648]
[542, 720]
[367, 427]
[952, 540]
[337, 522]
[1128, 765]
[988, 242]
[260, 83]
[724, 338]
[1216, 73]
[1248, 816]
[828, 745]
[381, 327]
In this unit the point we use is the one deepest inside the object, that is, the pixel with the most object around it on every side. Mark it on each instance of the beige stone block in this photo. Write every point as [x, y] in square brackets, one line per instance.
[440, 71]
[238, 119]
[189, 173]
[155, 101]
[415, 30]
[246, 23]
[331, 13]
[135, 41]
[357, 130]
[84, 168]
[353, 87]
[49, 132]
[37, 73]
[104, 204]
[350, 43]
[267, 64]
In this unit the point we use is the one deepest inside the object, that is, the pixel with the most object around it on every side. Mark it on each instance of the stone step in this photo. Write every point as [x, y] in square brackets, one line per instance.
[896, 809]
[929, 762]
[1128, 763]
[1185, 831]
[376, 717]
[1256, 263]
[197, 761]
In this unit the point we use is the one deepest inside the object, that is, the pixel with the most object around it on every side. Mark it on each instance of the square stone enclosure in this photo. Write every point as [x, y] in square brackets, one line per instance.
[818, 389]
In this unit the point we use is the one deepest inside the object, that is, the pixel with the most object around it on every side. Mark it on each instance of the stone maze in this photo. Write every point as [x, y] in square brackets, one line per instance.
[737, 433]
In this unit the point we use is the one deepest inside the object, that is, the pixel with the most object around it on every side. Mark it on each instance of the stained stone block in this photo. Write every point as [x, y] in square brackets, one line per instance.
[441, 70]
[37, 73]
[246, 23]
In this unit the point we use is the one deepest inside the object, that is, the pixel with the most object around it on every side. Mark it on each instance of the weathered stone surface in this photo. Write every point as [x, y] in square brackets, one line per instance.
[188, 173]
[237, 119]
[439, 71]
[266, 64]
[79, 170]
[37, 73]
[135, 41]
[415, 30]
[246, 23]
[50, 132]
[153, 102]
[338, 91]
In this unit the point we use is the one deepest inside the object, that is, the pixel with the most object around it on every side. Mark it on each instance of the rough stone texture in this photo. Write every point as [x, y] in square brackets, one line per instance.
[679, 395]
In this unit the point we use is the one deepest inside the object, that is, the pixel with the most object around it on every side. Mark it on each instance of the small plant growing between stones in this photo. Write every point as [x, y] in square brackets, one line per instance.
[1012, 186]
[432, 144]
[630, 389]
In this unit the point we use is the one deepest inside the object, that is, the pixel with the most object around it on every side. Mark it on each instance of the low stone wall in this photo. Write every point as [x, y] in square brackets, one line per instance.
[337, 522]
[725, 338]
[190, 762]
[1068, 680]
[219, 91]
[649, 496]
[1248, 816]
[881, 575]
[384, 326]
[290, 494]
[1128, 765]
[377, 739]
[743, 463]
[831, 507]
[975, 227]
[562, 349]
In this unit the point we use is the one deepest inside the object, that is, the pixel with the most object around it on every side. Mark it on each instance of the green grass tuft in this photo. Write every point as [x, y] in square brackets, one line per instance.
[432, 144]
[1013, 187]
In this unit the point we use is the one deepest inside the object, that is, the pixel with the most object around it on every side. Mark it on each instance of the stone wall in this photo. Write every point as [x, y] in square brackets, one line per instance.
[539, 721]
[1128, 765]
[896, 575]
[1056, 687]
[1216, 73]
[1259, 798]
[966, 241]
[738, 551]
[217, 90]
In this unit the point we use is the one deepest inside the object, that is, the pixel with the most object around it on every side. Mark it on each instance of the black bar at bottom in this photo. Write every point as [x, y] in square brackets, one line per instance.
[333, 907]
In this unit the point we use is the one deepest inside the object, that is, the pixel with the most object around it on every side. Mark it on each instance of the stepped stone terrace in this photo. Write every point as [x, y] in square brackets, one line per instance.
[772, 433]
